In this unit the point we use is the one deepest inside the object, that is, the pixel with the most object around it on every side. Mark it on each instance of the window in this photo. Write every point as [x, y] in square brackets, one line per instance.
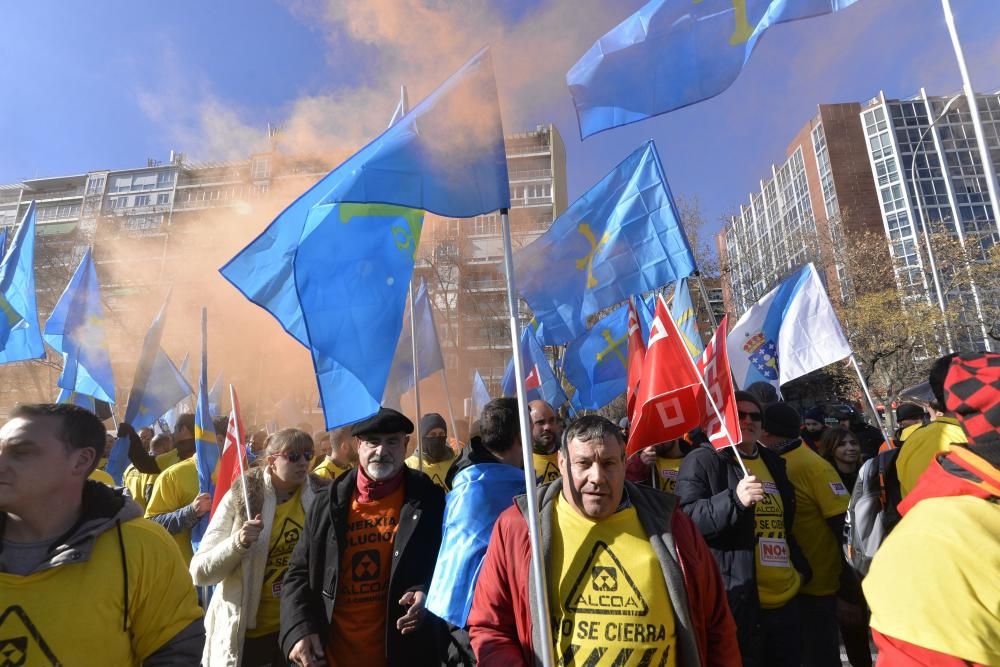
[165, 179]
[119, 202]
[162, 199]
[260, 168]
[141, 200]
[95, 185]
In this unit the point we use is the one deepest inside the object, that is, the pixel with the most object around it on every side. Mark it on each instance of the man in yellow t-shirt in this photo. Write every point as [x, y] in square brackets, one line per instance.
[821, 505]
[342, 457]
[546, 434]
[617, 593]
[438, 454]
[936, 437]
[746, 520]
[177, 505]
[84, 580]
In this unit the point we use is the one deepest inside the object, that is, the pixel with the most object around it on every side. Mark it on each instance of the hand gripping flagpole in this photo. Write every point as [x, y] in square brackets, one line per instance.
[541, 620]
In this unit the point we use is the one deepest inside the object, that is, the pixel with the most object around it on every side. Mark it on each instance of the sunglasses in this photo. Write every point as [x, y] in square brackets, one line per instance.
[294, 457]
[754, 416]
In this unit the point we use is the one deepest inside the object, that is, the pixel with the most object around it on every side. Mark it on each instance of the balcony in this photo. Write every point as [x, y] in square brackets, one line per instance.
[529, 175]
[531, 201]
[485, 285]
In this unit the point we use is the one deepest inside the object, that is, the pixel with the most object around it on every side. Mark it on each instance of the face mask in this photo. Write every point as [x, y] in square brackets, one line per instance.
[435, 446]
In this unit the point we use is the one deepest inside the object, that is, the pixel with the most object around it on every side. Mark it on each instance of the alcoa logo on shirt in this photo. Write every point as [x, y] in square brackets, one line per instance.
[20, 642]
[604, 587]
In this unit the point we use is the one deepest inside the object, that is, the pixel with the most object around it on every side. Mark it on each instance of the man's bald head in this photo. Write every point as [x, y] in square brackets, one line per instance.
[546, 427]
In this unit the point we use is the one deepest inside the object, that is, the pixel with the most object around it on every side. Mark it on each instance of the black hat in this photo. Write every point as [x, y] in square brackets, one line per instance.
[782, 420]
[909, 411]
[386, 420]
[764, 391]
[747, 397]
[431, 421]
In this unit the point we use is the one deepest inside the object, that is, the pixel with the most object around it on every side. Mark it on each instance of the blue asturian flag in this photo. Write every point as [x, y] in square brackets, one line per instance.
[622, 237]
[20, 335]
[76, 329]
[478, 495]
[480, 396]
[540, 381]
[351, 239]
[672, 53]
[157, 385]
[683, 312]
[597, 362]
[428, 350]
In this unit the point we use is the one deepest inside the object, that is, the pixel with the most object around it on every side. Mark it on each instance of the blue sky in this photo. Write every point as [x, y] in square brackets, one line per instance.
[106, 85]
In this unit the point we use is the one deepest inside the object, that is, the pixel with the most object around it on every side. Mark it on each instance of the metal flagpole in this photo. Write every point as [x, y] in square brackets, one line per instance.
[542, 621]
[977, 123]
[704, 298]
[416, 378]
[447, 397]
[239, 448]
[401, 110]
[868, 396]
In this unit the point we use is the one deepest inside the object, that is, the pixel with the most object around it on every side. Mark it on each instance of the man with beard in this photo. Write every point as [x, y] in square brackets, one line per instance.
[813, 425]
[438, 455]
[356, 584]
[546, 433]
[342, 457]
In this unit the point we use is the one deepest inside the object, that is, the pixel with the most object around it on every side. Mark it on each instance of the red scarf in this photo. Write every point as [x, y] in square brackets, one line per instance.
[370, 490]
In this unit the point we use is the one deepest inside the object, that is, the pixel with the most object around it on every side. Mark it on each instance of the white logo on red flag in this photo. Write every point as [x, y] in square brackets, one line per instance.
[714, 368]
[669, 402]
[636, 357]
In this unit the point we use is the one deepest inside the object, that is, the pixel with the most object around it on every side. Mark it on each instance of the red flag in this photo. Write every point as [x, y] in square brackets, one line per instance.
[636, 357]
[234, 455]
[670, 401]
[714, 367]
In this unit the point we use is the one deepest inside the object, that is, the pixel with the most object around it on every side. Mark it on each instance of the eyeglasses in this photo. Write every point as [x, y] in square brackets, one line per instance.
[754, 416]
[294, 457]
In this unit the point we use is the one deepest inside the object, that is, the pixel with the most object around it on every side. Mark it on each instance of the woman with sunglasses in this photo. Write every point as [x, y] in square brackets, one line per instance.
[246, 558]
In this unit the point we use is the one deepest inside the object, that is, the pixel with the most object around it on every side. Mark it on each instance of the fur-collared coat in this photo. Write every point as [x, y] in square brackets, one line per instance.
[237, 573]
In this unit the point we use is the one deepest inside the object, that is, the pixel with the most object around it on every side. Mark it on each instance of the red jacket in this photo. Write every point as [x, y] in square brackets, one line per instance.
[500, 625]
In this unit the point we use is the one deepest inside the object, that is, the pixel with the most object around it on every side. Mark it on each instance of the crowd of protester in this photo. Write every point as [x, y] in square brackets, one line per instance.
[358, 547]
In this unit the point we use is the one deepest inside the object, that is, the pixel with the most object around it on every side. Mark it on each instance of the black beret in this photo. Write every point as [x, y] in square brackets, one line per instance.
[386, 420]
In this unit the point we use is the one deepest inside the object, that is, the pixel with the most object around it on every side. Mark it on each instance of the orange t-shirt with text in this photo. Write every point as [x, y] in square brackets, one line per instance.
[357, 629]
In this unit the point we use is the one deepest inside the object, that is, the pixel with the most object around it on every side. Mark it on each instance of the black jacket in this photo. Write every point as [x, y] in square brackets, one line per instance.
[706, 488]
[308, 594]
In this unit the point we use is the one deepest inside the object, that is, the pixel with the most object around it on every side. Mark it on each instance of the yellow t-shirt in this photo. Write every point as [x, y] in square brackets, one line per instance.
[777, 579]
[327, 469]
[546, 467]
[819, 495]
[289, 518]
[176, 487]
[132, 480]
[922, 446]
[72, 614]
[608, 600]
[167, 459]
[934, 580]
[666, 473]
[101, 476]
[436, 471]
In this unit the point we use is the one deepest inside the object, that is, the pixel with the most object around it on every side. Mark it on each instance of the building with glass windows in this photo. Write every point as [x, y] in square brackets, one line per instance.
[821, 191]
[931, 185]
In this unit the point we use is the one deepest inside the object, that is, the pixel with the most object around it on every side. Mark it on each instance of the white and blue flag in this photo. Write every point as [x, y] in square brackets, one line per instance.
[791, 331]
